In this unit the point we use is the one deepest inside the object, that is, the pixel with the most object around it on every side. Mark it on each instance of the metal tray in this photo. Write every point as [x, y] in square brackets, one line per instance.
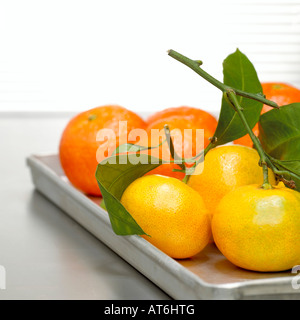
[208, 275]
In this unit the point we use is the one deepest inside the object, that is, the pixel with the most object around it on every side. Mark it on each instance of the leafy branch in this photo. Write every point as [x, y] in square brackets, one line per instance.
[233, 97]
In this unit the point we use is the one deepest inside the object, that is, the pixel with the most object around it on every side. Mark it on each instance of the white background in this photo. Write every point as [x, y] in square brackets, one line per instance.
[72, 55]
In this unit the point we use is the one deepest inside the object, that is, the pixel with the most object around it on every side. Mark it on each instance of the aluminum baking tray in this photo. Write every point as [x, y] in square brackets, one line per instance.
[208, 275]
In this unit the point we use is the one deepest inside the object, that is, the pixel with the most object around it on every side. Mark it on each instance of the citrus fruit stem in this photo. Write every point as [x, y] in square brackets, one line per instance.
[263, 157]
[174, 155]
[266, 185]
[194, 65]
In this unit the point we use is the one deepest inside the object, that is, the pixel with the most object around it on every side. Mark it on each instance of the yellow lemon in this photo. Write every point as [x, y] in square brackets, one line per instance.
[259, 229]
[171, 213]
[226, 168]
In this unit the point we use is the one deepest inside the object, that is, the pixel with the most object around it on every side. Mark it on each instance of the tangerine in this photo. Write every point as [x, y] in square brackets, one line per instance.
[171, 213]
[225, 169]
[185, 141]
[259, 229]
[79, 150]
[282, 94]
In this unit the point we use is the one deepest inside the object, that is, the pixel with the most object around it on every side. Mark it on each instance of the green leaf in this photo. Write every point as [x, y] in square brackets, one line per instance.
[129, 147]
[280, 132]
[239, 73]
[114, 175]
[291, 165]
[102, 204]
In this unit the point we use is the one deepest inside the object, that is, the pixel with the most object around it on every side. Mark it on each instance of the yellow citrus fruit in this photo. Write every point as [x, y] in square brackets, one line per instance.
[226, 168]
[259, 229]
[171, 213]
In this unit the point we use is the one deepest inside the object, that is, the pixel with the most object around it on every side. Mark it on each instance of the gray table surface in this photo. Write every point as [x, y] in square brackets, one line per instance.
[46, 254]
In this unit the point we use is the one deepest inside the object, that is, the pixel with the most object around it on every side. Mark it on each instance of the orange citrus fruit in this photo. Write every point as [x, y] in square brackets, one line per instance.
[259, 229]
[282, 94]
[226, 168]
[185, 141]
[171, 213]
[79, 150]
